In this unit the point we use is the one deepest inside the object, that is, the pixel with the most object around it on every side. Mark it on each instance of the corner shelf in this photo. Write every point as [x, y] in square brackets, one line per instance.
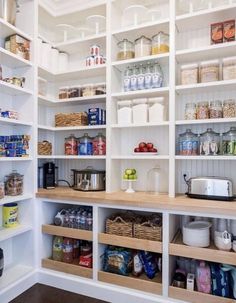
[8, 29]
[12, 199]
[13, 61]
[7, 233]
[13, 90]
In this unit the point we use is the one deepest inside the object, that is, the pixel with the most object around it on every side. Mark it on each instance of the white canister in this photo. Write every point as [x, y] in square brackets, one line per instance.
[63, 61]
[46, 47]
[140, 111]
[124, 112]
[54, 59]
[197, 234]
[157, 110]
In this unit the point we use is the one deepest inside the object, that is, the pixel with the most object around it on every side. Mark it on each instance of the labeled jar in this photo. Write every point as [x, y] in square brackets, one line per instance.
[160, 43]
[64, 92]
[126, 50]
[188, 143]
[124, 112]
[215, 109]
[202, 110]
[10, 215]
[229, 108]
[190, 111]
[71, 145]
[229, 142]
[99, 145]
[142, 47]
[189, 74]
[156, 110]
[209, 71]
[229, 68]
[140, 111]
[209, 143]
[14, 184]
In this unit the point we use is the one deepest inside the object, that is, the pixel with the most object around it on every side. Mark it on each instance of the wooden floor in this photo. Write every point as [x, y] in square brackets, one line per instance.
[44, 294]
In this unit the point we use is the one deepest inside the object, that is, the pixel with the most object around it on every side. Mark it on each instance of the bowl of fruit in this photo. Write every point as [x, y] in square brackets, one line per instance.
[146, 149]
[130, 175]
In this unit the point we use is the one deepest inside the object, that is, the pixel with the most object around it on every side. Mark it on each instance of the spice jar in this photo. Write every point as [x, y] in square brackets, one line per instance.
[99, 145]
[71, 146]
[2, 191]
[126, 50]
[209, 143]
[160, 43]
[190, 111]
[215, 109]
[229, 68]
[229, 142]
[124, 112]
[142, 47]
[202, 110]
[189, 74]
[14, 184]
[229, 108]
[209, 71]
[63, 92]
[188, 143]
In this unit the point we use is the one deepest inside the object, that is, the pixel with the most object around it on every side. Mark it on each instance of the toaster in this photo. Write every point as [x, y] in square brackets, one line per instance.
[211, 188]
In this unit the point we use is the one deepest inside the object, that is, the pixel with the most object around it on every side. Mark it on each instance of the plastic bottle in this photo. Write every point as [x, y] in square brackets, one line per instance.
[127, 79]
[89, 222]
[57, 248]
[78, 218]
[67, 249]
[66, 219]
[76, 245]
[148, 77]
[133, 78]
[141, 77]
[72, 219]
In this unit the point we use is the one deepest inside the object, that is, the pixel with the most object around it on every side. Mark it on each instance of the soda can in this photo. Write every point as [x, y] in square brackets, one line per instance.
[94, 50]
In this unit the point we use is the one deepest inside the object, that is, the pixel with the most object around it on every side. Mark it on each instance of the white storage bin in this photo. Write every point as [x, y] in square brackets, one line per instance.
[157, 110]
[124, 112]
[140, 111]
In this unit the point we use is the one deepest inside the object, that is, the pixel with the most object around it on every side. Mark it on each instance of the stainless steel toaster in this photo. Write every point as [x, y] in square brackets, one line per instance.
[212, 188]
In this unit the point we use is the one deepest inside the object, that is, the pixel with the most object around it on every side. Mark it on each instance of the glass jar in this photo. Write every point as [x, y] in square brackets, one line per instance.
[64, 92]
[157, 76]
[209, 143]
[14, 184]
[71, 146]
[88, 90]
[154, 181]
[85, 146]
[229, 68]
[188, 143]
[189, 74]
[74, 92]
[229, 142]
[99, 145]
[160, 43]
[2, 191]
[202, 110]
[124, 112]
[142, 47]
[126, 50]
[209, 71]
[215, 109]
[100, 89]
[140, 111]
[190, 111]
[229, 108]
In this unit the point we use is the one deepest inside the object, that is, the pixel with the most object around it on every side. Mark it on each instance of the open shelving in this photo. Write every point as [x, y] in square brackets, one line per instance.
[8, 233]
[14, 90]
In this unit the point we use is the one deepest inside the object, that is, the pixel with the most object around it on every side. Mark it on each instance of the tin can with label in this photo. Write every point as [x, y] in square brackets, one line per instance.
[99, 60]
[10, 215]
[94, 50]
[90, 61]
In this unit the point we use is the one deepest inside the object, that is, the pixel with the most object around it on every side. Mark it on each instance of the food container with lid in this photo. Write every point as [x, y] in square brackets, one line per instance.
[14, 184]
[209, 71]
[229, 142]
[64, 92]
[88, 90]
[190, 111]
[216, 109]
[156, 110]
[188, 143]
[85, 145]
[125, 50]
[229, 108]
[197, 234]
[160, 43]
[142, 47]
[209, 143]
[89, 179]
[203, 110]
[71, 146]
[124, 112]
[10, 215]
[189, 74]
[99, 145]
[140, 111]
[229, 68]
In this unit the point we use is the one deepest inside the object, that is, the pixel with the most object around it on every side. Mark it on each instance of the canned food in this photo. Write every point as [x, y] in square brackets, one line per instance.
[99, 60]
[94, 50]
[90, 61]
[10, 215]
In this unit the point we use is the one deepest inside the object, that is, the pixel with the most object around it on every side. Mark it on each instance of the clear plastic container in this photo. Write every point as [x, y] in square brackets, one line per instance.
[229, 142]
[124, 112]
[99, 145]
[143, 46]
[157, 110]
[71, 146]
[63, 92]
[188, 143]
[216, 109]
[190, 111]
[85, 147]
[209, 143]
[189, 74]
[160, 43]
[203, 110]
[229, 108]
[209, 71]
[14, 184]
[126, 50]
[229, 68]
[141, 77]
[140, 111]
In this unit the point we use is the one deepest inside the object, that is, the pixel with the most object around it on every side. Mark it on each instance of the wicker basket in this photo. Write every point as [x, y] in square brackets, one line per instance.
[118, 226]
[44, 148]
[71, 119]
[148, 231]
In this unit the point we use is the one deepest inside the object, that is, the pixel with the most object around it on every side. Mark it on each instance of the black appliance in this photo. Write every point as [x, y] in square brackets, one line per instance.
[49, 175]
[1, 261]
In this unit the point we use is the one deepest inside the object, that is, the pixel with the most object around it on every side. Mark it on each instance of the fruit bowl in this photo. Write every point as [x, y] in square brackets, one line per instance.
[145, 149]
[130, 176]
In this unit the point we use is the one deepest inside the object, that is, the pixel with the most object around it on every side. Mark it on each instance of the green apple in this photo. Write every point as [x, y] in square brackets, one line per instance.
[134, 171]
[128, 171]
[125, 177]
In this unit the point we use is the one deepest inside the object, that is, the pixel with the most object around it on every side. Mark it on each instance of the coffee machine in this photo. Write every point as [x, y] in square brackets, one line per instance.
[49, 175]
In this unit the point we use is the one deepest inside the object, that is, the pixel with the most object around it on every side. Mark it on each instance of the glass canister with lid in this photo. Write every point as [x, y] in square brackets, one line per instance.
[71, 146]
[215, 109]
[209, 143]
[85, 145]
[126, 50]
[210, 71]
[229, 108]
[14, 184]
[189, 74]
[160, 43]
[229, 142]
[99, 145]
[190, 111]
[142, 47]
[188, 143]
[229, 68]
[203, 110]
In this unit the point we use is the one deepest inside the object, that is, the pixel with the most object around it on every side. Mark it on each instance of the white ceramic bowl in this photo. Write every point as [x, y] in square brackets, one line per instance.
[197, 234]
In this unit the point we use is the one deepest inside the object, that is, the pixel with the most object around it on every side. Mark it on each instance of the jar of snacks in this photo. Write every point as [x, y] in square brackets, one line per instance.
[209, 71]
[100, 89]
[229, 142]
[203, 110]
[215, 109]
[190, 111]
[189, 74]
[88, 90]
[71, 145]
[74, 92]
[160, 43]
[229, 68]
[143, 46]
[99, 145]
[126, 50]
[2, 191]
[229, 108]
[188, 143]
[64, 92]
[210, 143]
[14, 184]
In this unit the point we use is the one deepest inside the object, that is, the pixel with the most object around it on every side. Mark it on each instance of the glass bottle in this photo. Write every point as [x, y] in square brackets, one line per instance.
[57, 248]
[229, 142]
[127, 79]
[157, 76]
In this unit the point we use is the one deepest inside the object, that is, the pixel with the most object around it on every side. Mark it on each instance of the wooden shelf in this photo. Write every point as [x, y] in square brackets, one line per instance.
[141, 283]
[73, 269]
[195, 297]
[211, 253]
[68, 232]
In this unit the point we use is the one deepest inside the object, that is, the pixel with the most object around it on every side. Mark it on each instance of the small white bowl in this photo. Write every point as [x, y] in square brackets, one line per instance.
[197, 234]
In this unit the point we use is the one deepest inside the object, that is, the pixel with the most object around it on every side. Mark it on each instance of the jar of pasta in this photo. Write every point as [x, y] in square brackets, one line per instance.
[209, 71]
[202, 110]
[229, 68]
[190, 111]
[215, 109]
[229, 108]
[189, 74]
[160, 43]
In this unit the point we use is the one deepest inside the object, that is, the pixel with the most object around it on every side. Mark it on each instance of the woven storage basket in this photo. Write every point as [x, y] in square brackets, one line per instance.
[148, 231]
[119, 227]
[44, 148]
[72, 119]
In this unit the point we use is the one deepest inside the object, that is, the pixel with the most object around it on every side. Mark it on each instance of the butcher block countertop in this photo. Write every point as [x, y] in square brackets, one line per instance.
[141, 200]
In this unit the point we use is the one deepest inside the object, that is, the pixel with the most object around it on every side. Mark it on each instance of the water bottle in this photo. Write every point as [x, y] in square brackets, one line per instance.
[141, 77]
[83, 220]
[72, 219]
[148, 77]
[77, 219]
[89, 225]
[157, 76]
[66, 219]
[127, 79]
[133, 78]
